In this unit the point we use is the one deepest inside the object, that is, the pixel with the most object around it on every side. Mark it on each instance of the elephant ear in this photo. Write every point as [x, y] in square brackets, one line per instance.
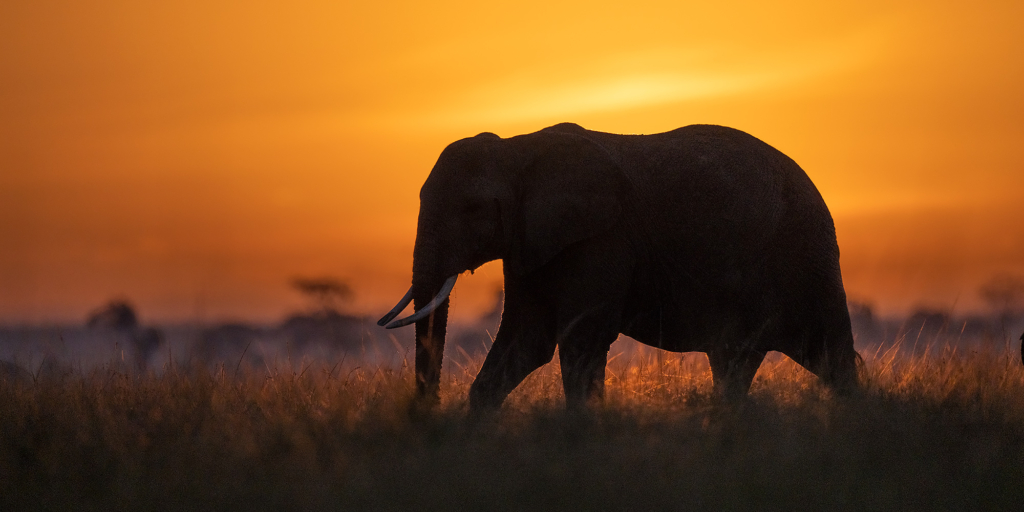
[572, 190]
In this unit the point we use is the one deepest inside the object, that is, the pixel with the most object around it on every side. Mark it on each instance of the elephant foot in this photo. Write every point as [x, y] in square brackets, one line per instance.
[845, 385]
[732, 373]
[422, 407]
[841, 374]
[483, 401]
[583, 402]
[729, 393]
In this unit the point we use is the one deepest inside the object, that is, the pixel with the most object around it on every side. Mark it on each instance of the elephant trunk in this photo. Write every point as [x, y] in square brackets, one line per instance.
[430, 334]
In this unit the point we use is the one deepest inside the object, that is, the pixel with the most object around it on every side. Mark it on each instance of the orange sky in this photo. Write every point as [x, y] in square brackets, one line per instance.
[193, 157]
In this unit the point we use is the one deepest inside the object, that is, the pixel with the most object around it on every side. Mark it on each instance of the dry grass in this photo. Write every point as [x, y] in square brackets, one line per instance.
[928, 433]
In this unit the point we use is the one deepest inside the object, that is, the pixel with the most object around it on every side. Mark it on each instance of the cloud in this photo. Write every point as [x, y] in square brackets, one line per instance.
[596, 95]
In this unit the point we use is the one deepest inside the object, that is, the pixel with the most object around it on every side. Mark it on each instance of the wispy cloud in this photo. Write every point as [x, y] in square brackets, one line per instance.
[594, 95]
[650, 78]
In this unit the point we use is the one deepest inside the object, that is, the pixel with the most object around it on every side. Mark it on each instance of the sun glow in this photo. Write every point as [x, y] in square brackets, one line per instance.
[628, 81]
[614, 94]
[205, 153]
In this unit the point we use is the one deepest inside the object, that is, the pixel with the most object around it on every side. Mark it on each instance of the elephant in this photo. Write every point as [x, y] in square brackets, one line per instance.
[701, 239]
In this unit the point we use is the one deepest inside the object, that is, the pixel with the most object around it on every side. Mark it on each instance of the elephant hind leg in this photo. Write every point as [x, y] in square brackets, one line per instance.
[837, 369]
[733, 371]
[835, 364]
[583, 362]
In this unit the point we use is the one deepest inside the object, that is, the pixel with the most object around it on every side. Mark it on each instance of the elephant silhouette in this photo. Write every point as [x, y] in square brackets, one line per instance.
[701, 239]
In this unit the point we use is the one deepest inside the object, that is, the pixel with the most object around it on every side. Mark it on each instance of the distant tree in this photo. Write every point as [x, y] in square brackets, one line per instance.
[326, 293]
[117, 314]
[927, 318]
[1005, 295]
[1003, 292]
[863, 311]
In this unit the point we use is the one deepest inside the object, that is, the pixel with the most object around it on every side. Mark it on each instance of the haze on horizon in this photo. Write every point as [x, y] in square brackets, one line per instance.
[196, 156]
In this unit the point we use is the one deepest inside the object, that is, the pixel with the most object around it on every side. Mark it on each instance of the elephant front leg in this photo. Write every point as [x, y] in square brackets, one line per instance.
[505, 367]
[521, 346]
[733, 371]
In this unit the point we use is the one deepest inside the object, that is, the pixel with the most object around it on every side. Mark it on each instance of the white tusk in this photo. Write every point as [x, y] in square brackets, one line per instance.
[397, 309]
[446, 288]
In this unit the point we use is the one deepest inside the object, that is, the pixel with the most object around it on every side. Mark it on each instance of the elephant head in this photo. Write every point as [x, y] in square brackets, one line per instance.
[522, 199]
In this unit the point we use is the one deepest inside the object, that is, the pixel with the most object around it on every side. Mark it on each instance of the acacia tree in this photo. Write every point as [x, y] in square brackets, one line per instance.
[1004, 293]
[326, 293]
[119, 314]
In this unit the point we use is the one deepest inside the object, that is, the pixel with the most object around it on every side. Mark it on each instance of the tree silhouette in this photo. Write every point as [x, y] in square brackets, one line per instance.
[327, 293]
[1005, 294]
[117, 314]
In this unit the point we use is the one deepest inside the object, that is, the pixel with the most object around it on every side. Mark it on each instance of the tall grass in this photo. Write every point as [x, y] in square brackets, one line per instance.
[929, 432]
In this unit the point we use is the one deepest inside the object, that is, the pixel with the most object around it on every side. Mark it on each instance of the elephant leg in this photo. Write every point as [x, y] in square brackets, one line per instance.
[834, 364]
[590, 289]
[583, 359]
[524, 342]
[733, 371]
[505, 367]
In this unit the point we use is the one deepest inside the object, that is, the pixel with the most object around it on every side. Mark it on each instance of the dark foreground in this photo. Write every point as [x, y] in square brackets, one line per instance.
[932, 433]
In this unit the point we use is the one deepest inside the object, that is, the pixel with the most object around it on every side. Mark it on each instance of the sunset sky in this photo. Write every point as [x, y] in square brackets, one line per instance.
[193, 156]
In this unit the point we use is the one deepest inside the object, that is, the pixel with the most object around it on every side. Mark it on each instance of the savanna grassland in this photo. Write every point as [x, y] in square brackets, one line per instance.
[930, 432]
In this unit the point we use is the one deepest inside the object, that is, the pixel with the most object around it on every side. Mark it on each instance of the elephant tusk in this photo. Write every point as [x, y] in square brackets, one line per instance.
[397, 309]
[446, 288]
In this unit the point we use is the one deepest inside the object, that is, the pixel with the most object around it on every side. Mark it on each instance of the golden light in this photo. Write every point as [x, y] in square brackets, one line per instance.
[195, 156]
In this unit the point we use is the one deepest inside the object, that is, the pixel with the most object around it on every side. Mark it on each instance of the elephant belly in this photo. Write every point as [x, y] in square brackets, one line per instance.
[700, 323]
[657, 326]
[674, 338]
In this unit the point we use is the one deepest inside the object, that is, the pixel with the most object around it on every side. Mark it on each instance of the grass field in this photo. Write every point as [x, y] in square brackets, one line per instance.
[936, 432]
